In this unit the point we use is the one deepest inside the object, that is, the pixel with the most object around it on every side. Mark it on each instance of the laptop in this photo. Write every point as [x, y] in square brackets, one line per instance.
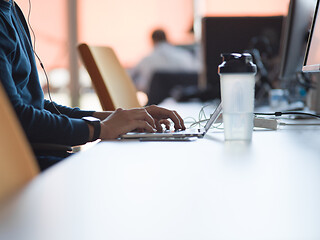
[177, 135]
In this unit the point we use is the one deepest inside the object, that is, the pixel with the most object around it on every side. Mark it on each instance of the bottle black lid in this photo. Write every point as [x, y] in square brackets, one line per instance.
[237, 63]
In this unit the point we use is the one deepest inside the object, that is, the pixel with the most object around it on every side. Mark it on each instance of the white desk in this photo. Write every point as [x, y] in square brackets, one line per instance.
[207, 189]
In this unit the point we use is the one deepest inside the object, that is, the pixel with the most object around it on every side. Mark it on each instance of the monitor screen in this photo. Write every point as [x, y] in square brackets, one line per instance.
[236, 34]
[294, 39]
[312, 57]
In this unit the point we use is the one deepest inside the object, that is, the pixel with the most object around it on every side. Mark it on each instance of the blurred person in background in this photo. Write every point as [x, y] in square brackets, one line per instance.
[164, 57]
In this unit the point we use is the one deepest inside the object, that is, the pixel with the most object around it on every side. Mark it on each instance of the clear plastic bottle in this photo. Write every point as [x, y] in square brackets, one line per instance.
[237, 80]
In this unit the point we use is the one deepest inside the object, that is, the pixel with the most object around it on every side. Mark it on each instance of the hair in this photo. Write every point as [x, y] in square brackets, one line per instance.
[159, 35]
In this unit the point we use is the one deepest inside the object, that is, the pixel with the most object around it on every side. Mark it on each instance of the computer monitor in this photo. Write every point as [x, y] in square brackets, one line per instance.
[294, 40]
[235, 34]
[312, 56]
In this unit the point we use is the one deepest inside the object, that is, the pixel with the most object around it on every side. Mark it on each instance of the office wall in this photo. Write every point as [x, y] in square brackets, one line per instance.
[246, 7]
[49, 22]
[126, 24]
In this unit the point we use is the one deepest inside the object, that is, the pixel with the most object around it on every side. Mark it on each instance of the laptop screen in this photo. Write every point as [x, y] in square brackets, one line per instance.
[213, 117]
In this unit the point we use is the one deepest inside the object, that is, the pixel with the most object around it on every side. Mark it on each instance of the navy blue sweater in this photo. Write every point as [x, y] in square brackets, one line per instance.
[19, 77]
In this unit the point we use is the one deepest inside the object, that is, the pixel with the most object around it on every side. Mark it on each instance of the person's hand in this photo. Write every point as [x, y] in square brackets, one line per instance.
[123, 121]
[161, 116]
[102, 115]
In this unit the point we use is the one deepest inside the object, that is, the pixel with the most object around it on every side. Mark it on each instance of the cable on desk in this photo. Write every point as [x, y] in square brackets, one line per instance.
[278, 114]
[202, 119]
[299, 124]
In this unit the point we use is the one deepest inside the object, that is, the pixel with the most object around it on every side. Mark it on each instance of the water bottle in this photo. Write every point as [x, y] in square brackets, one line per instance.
[237, 80]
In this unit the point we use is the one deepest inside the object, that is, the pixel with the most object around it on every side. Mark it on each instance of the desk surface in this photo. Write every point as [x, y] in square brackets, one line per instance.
[207, 189]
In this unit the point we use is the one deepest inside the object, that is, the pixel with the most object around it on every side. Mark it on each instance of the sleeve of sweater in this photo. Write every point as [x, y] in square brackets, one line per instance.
[70, 112]
[46, 127]
[39, 124]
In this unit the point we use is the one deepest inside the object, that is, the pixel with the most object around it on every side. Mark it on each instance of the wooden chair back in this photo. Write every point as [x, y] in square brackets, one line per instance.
[114, 87]
[17, 162]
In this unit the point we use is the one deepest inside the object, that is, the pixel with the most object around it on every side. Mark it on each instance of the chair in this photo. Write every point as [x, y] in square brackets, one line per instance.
[111, 82]
[17, 162]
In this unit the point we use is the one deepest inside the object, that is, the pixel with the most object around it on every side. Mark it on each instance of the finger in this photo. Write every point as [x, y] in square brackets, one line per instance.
[142, 114]
[181, 122]
[159, 127]
[163, 113]
[177, 120]
[140, 130]
[166, 122]
[145, 126]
